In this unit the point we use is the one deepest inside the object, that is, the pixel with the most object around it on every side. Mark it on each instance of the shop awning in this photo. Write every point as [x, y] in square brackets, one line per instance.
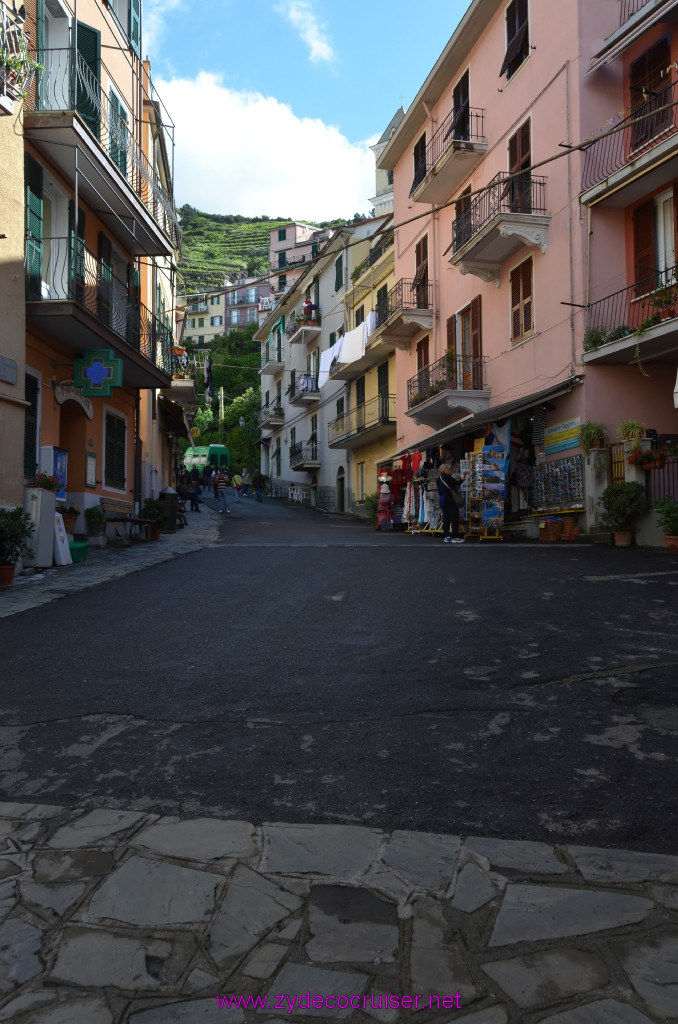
[176, 417]
[498, 412]
[636, 28]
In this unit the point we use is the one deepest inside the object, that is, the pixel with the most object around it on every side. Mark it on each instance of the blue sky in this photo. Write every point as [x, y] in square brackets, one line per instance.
[276, 101]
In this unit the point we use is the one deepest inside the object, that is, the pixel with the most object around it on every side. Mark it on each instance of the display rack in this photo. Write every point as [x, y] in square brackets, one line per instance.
[559, 485]
[473, 465]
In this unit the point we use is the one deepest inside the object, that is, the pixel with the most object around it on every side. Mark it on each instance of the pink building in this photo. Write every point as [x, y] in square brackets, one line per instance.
[292, 246]
[496, 265]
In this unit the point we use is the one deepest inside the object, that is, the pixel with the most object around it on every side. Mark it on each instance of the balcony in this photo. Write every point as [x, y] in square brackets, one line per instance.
[372, 421]
[629, 8]
[509, 214]
[377, 350]
[457, 147]
[303, 327]
[635, 325]
[272, 358]
[182, 390]
[304, 389]
[407, 311]
[271, 416]
[374, 256]
[448, 389]
[76, 298]
[77, 126]
[304, 456]
[636, 160]
[17, 66]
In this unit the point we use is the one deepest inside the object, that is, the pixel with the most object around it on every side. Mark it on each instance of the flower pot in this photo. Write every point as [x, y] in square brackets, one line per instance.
[95, 529]
[622, 538]
[70, 519]
[671, 542]
[155, 532]
[6, 574]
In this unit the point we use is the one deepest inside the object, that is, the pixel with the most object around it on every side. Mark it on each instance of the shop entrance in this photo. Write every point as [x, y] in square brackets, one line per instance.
[341, 490]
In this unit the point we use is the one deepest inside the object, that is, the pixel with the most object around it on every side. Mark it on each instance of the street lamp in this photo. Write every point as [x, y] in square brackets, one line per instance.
[241, 421]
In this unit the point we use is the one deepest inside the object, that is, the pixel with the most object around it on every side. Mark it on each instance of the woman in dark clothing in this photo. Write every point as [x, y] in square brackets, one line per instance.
[448, 485]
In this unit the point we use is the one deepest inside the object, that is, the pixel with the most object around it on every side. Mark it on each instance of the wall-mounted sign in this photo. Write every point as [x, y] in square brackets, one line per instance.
[98, 372]
[66, 391]
[8, 369]
[562, 436]
[195, 431]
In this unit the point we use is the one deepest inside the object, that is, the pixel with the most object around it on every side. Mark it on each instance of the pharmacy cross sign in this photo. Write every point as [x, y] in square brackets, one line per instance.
[98, 372]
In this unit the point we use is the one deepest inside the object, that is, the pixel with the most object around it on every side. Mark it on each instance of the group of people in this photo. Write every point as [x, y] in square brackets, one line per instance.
[191, 484]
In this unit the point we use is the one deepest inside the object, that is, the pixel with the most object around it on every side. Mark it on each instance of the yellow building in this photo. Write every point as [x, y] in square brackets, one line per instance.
[366, 420]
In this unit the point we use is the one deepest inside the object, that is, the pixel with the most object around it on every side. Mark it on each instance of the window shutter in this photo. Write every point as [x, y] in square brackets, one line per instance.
[118, 133]
[644, 246]
[76, 253]
[452, 334]
[34, 227]
[89, 54]
[135, 26]
[339, 273]
[526, 282]
[476, 329]
[515, 304]
[105, 275]
[115, 449]
[31, 425]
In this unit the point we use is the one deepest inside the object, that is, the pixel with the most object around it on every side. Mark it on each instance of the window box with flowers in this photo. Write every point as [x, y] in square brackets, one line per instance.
[652, 459]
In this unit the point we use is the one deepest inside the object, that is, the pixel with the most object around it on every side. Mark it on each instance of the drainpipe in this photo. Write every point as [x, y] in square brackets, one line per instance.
[570, 213]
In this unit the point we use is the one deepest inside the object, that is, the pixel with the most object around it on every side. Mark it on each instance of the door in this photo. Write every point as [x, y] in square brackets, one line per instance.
[341, 491]
[34, 227]
[420, 283]
[461, 109]
[382, 391]
[314, 437]
[520, 158]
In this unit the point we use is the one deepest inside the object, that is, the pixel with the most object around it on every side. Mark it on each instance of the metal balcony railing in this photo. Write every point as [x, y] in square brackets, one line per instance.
[303, 384]
[376, 412]
[272, 354]
[642, 129]
[59, 270]
[506, 193]
[69, 84]
[629, 7]
[452, 372]
[16, 68]
[467, 124]
[300, 319]
[406, 294]
[303, 451]
[272, 411]
[641, 306]
[375, 254]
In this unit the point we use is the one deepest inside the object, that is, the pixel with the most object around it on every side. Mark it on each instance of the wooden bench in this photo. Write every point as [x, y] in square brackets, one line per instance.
[120, 514]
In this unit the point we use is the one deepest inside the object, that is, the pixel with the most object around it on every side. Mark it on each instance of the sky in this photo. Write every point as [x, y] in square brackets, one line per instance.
[276, 102]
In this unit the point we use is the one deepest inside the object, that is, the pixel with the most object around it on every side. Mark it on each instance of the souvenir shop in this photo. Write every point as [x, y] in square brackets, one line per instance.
[516, 469]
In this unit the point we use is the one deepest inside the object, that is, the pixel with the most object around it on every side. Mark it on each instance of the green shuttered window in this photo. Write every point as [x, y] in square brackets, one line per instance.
[116, 431]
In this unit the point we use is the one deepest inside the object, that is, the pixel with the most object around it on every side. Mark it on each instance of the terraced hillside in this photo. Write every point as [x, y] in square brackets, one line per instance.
[218, 244]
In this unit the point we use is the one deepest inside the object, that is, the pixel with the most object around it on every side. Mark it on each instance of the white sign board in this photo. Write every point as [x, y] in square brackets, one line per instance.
[62, 552]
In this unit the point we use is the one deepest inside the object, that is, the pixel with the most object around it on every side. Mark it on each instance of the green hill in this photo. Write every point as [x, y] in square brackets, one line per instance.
[215, 245]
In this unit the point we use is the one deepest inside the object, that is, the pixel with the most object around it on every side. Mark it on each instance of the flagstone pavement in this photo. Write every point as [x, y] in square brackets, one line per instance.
[119, 917]
[110, 916]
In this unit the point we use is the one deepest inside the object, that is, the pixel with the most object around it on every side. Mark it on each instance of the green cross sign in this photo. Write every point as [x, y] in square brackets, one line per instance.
[98, 372]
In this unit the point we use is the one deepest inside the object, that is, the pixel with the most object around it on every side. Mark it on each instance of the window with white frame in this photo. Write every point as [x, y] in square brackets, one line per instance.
[216, 321]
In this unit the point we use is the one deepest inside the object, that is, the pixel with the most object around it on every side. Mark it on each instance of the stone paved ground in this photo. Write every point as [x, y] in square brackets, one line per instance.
[117, 917]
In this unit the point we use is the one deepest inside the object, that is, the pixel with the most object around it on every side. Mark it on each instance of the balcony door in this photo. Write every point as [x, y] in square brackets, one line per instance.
[461, 109]
[647, 83]
[469, 346]
[382, 391]
[52, 44]
[420, 283]
[520, 159]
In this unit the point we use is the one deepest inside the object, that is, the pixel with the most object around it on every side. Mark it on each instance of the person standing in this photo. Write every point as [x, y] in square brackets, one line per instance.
[258, 483]
[449, 489]
[246, 482]
[221, 486]
[237, 483]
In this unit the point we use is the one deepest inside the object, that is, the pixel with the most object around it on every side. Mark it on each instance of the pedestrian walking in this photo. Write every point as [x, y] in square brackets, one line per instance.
[236, 480]
[258, 483]
[246, 482]
[449, 489]
[221, 485]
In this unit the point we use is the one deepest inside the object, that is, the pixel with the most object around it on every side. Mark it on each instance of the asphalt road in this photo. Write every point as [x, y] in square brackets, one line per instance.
[306, 668]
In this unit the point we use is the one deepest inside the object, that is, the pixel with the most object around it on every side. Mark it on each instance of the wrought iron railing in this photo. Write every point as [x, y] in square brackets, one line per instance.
[641, 130]
[375, 254]
[271, 411]
[378, 411]
[303, 451]
[634, 309]
[303, 384]
[522, 193]
[63, 270]
[299, 318]
[465, 125]
[452, 372]
[272, 354]
[406, 294]
[629, 7]
[17, 68]
[660, 483]
[68, 84]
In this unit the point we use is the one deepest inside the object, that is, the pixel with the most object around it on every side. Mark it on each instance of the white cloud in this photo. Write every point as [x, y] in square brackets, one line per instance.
[241, 152]
[155, 24]
[301, 15]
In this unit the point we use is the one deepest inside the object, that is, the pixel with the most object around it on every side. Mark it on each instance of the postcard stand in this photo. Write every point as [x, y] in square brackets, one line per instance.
[473, 492]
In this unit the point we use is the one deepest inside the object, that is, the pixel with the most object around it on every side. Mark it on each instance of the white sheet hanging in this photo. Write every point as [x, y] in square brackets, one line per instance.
[326, 360]
[354, 345]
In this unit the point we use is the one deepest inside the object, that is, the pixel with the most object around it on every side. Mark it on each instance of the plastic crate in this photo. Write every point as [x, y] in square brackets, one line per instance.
[79, 549]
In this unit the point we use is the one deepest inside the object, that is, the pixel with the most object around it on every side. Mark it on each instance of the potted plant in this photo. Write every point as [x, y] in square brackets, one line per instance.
[623, 504]
[155, 513]
[96, 520]
[69, 514]
[667, 507]
[650, 459]
[18, 67]
[16, 526]
[591, 435]
[664, 301]
[632, 430]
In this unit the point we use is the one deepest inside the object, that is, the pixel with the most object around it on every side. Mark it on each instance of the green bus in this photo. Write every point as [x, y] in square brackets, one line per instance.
[214, 454]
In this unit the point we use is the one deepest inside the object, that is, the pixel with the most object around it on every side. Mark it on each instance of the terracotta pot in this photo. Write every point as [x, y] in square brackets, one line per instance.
[155, 532]
[622, 538]
[69, 521]
[6, 574]
[671, 542]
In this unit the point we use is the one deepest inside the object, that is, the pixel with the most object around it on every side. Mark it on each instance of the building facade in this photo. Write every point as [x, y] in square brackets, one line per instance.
[101, 239]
